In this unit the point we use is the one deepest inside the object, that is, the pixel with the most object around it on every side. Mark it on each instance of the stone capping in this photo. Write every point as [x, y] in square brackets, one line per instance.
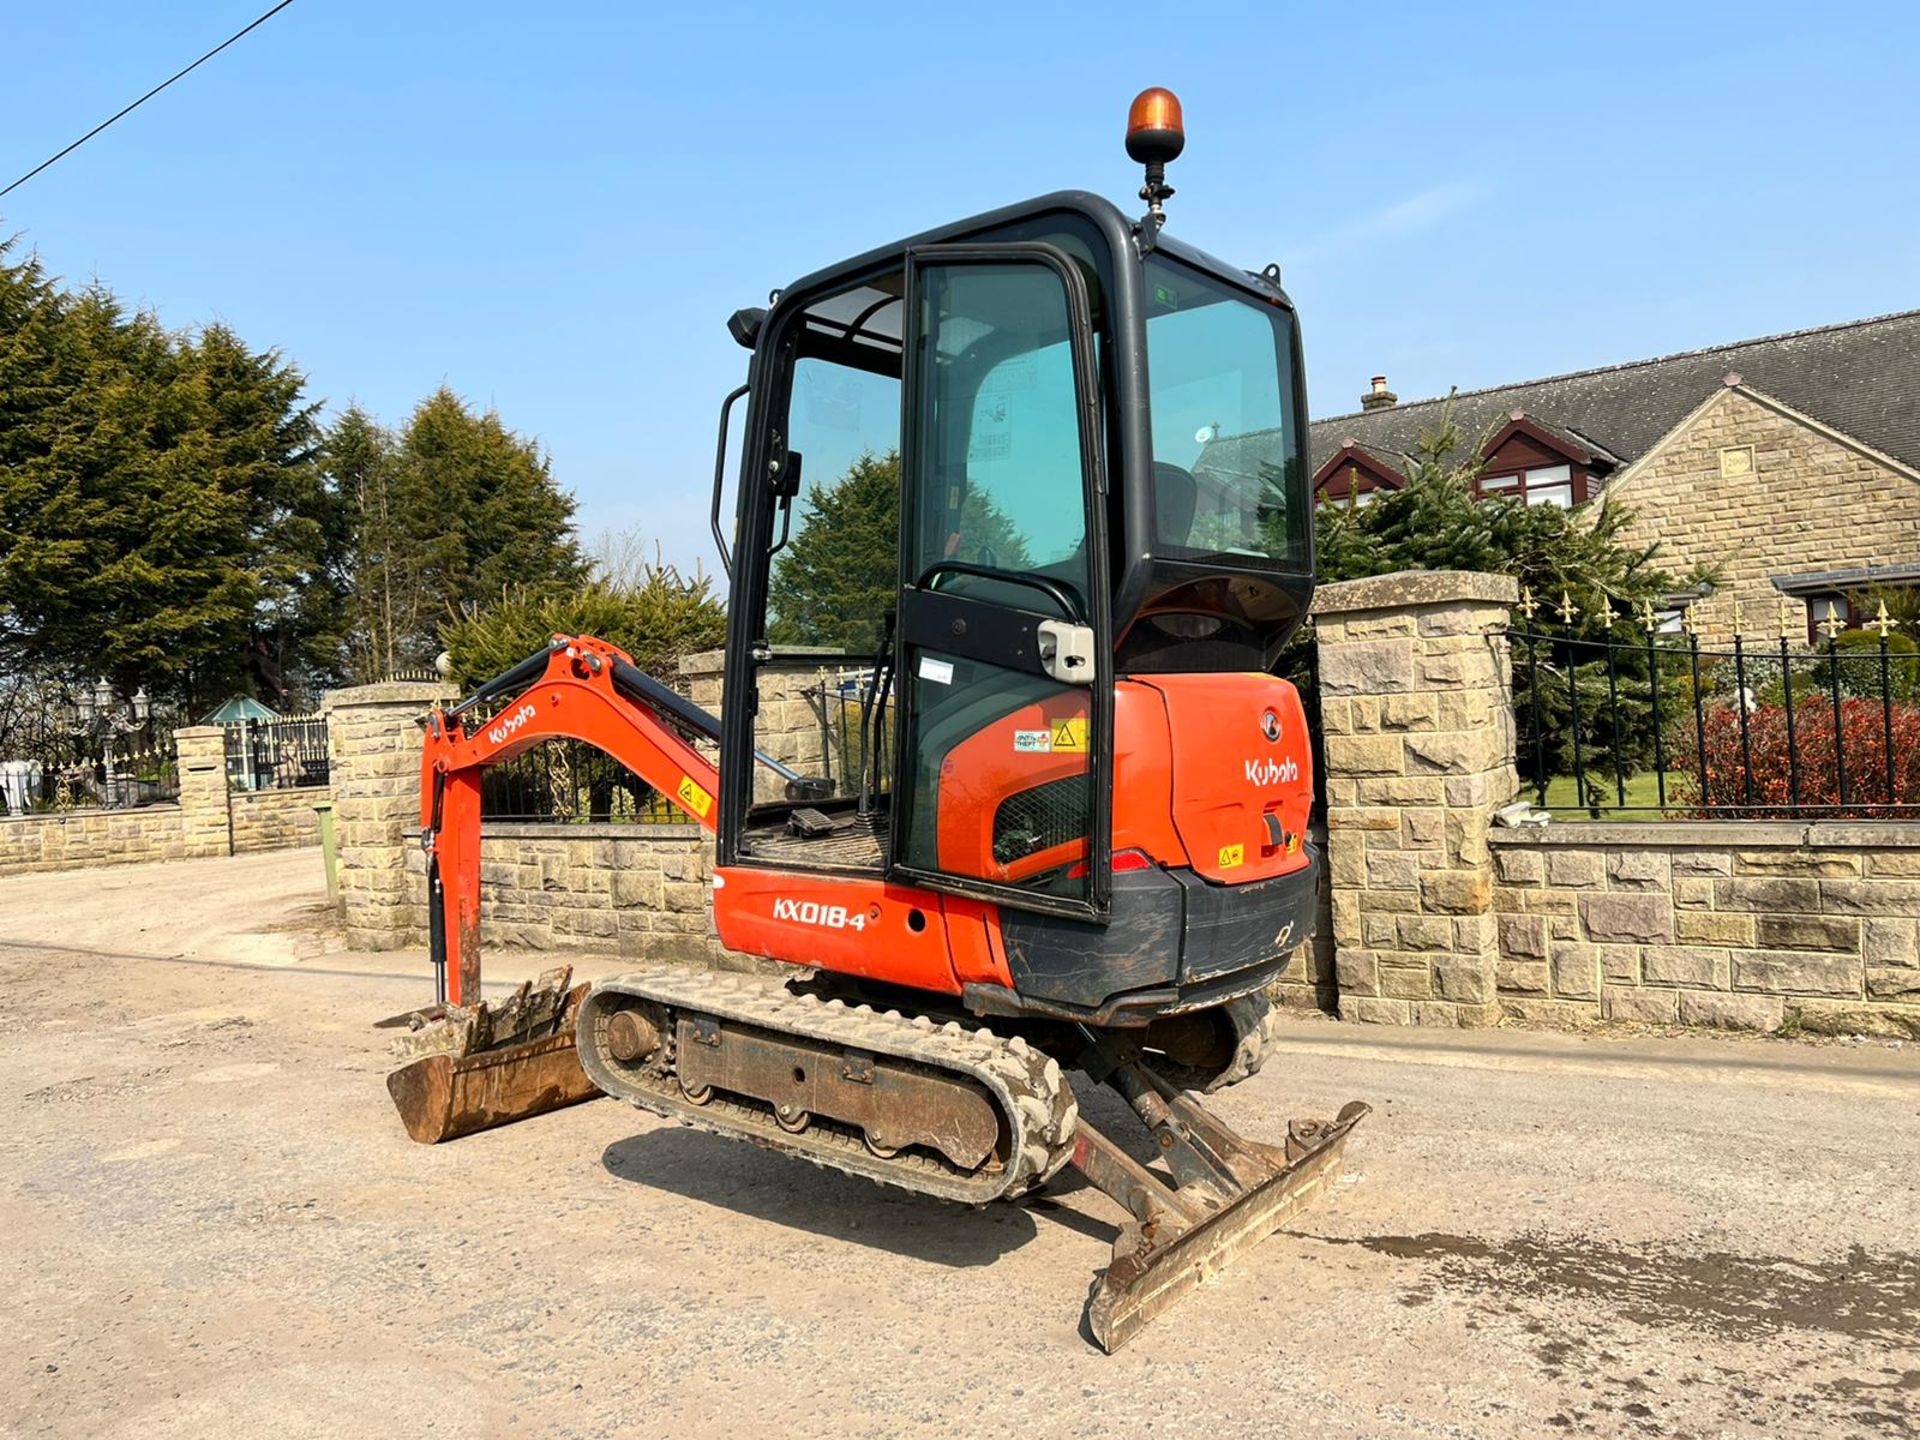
[1723, 834]
[535, 830]
[1411, 589]
[710, 664]
[93, 812]
[703, 664]
[426, 692]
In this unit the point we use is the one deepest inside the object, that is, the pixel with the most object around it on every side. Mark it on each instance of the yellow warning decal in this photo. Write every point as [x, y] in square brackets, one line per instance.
[1232, 855]
[693, 797]
[1070, 734]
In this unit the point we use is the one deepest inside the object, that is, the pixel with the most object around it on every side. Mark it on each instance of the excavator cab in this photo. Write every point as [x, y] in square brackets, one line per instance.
[1057, 463]
[1004, 778]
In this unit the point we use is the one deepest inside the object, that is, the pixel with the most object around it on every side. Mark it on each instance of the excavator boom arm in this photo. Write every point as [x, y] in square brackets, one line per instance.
[579, 688]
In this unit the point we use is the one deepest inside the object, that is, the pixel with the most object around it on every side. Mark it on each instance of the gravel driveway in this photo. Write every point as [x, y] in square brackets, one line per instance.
[214, 1225]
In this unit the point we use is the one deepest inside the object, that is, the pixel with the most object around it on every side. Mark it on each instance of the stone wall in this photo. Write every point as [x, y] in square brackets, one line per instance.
[274, 819]
[794, 723]
[374, 742]
[1745, 924]
[1418, 734]
[635, 890]
[1430, 914]
[1810, 503]
[198, 824]
[638, 890]
[74, 839]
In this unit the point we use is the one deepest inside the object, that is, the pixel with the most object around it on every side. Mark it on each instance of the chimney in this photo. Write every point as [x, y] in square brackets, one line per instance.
[1379, 397]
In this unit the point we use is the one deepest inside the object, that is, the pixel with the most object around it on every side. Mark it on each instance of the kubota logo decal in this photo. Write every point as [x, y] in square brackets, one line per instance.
[500, 733]
[1273, 772]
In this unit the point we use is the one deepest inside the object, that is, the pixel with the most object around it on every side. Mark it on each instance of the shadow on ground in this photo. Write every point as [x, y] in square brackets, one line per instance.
[786, 1191]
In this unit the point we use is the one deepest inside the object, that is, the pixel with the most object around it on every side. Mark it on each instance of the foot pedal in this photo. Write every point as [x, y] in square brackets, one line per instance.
[811, 824]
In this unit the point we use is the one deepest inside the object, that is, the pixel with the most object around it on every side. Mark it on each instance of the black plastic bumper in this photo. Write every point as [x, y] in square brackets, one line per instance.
[1175, 942]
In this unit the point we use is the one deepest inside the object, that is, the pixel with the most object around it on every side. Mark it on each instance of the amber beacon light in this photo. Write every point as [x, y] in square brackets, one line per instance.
[1156, 135]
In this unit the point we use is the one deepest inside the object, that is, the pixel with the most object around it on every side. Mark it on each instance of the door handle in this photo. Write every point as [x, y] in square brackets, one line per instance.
[1066, 651]
[720, 477]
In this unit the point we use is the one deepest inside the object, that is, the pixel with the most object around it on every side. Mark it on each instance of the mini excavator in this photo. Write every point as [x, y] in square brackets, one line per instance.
[1070, 832]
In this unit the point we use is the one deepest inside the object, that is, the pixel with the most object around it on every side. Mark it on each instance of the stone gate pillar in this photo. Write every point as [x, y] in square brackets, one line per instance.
[201, 753]
[374, 750]
[1418, 724]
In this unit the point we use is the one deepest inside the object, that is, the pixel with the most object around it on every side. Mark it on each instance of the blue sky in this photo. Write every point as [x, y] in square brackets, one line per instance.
[553, 208]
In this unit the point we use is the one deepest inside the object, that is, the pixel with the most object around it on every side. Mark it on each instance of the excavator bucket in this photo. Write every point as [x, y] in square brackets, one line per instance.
[470, 1068]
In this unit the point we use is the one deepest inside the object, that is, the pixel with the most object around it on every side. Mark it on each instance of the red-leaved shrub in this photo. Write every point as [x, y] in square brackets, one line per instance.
[1862, 750]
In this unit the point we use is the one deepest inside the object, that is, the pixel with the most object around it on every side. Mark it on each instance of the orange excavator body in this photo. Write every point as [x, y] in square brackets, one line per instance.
[1217, 807]
[1045, 804]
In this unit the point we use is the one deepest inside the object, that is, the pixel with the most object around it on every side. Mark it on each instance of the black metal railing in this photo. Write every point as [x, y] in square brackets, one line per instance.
[568, 782]
[1616, 714]
[856, 717]
[286, 753]
[564, 782]
[55, 771]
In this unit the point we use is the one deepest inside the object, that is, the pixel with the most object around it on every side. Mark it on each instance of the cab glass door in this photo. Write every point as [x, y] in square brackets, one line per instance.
[1004, 663]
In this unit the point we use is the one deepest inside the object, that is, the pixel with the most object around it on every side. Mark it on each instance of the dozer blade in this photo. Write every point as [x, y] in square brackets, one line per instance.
[1181, 1245]
[491, 1065]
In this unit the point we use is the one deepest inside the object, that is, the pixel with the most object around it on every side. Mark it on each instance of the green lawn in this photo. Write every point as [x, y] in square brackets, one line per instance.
[1642, 789]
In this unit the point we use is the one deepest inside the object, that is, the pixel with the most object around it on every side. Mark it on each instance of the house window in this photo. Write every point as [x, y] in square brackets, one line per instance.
[1823, 610]
[1542, 485]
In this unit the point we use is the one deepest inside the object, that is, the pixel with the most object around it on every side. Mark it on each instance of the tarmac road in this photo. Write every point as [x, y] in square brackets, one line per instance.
[213, 1224]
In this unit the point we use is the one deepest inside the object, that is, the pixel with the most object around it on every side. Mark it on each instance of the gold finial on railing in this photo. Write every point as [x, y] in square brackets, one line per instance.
[1789, 614]
[1687, 622]
[1606, 617]
[1528, 605]
[1832, 624]
[1649, 617]
[1569, 612]
[1883, 622]
[1739, 616]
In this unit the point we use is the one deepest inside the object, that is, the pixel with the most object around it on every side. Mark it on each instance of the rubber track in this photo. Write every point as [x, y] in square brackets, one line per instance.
[1027, 1087]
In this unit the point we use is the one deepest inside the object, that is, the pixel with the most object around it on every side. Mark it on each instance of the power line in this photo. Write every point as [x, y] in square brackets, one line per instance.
[144, 98]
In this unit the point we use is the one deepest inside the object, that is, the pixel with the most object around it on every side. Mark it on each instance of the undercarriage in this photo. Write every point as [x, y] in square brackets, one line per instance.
[956, 1110]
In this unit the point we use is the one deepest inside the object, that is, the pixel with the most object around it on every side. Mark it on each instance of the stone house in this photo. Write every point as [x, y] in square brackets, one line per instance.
[1790, 464]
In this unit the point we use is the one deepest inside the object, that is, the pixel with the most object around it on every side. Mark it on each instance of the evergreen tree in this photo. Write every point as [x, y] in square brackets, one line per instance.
[359, 465]
[447, 517]
[657, 619]
[835, 581]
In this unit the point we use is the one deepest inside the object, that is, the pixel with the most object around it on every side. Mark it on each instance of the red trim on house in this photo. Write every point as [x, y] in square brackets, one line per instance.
[1351, 468]
[1520, 446]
